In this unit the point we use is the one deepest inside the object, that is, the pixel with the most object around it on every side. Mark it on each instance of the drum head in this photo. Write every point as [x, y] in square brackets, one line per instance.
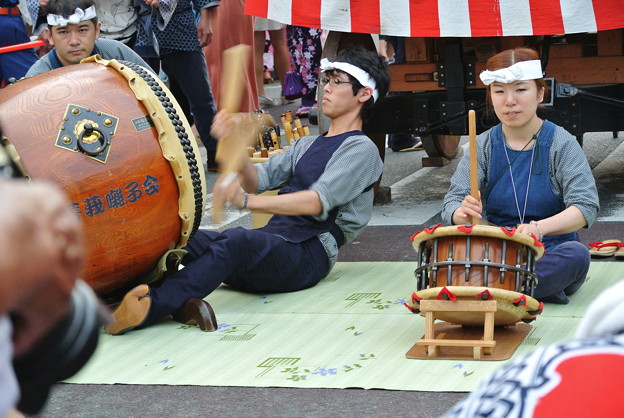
[501, 233]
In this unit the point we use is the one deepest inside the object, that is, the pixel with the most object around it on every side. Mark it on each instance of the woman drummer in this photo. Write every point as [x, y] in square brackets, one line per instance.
[532, 174]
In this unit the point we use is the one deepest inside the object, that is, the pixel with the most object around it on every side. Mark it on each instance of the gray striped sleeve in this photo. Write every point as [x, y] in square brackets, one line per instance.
[571, 178]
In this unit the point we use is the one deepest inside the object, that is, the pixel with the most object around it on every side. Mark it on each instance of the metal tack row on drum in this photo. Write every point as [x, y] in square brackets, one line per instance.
[475, 262]
[114, 138]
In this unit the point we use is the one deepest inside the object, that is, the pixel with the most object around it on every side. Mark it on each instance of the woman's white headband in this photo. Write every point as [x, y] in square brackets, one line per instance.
[78, 16]
[520, 71]
[359, 74]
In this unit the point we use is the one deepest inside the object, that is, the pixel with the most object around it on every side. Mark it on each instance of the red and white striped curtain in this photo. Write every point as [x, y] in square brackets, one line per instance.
[444, 18]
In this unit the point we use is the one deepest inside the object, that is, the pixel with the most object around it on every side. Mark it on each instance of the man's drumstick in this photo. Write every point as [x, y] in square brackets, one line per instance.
[474, 173]
[230, 152]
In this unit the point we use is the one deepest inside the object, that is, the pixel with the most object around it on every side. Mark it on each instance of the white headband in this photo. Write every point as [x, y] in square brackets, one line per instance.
[520, 71]
[360, 75]
[78, 16]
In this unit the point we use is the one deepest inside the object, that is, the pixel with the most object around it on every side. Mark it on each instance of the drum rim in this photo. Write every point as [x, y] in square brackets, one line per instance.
[479, 231]
[476, 290]
[192, 192]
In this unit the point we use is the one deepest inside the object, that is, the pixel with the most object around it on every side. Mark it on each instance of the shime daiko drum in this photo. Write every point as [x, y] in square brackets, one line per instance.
[113, 137]
[478, 262]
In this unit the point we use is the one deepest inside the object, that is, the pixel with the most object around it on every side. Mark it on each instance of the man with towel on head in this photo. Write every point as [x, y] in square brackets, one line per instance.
[74, 31]
[325, 201]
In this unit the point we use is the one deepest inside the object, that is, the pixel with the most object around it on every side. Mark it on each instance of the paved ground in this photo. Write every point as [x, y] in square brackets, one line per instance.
[417, 193]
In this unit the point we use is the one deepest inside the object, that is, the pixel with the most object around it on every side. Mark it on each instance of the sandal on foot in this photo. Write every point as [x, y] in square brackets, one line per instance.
[605, 248]
[197, 312]
[303, 111]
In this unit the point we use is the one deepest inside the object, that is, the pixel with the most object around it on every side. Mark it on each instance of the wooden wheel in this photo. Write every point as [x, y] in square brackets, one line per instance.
[446, 146]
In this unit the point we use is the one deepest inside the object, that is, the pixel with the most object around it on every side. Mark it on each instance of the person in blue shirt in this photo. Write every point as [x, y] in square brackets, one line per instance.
[325, 200]
[12, 32]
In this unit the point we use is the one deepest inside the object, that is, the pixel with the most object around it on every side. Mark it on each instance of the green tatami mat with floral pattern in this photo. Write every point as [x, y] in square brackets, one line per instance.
[351, 330]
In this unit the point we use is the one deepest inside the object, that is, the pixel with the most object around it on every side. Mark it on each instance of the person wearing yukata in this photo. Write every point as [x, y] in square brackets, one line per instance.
[305, 47]
[325, 200]
[129, 22]
[532, 175]
[181, 40]
[74, 31]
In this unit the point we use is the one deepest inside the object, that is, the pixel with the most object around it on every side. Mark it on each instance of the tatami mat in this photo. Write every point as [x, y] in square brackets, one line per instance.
[351, 330]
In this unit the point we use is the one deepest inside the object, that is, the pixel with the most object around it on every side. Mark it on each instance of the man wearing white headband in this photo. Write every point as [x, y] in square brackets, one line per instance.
[360, 75]
[325, 200]
[74, 31]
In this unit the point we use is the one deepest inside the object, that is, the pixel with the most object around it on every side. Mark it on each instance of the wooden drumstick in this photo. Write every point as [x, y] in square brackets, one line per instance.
[474, 173]
[231, 150]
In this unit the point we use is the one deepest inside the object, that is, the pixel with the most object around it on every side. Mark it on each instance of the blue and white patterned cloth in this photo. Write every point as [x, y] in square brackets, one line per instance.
[578, 377]
[180, 33]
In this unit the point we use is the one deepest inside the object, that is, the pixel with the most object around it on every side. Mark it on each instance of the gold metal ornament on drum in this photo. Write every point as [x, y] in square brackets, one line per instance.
[113, 137]
[478, 262]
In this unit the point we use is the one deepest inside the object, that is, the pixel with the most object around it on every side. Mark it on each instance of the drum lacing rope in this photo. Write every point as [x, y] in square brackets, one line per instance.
[182, 136]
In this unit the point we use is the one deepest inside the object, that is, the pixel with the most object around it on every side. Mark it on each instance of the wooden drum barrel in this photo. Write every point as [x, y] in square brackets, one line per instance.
[478, 262]
[113, 137]
[476, 255]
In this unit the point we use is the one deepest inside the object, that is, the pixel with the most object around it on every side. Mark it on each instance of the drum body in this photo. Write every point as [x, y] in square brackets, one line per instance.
[110, 134]
[478, 261]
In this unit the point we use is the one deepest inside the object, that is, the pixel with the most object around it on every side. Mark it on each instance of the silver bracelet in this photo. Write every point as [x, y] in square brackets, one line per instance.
[539, 230]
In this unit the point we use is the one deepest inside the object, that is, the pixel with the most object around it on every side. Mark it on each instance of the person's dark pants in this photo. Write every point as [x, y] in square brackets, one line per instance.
[153, 62]
[248, 260]
[177, 92]
[561, 272]
[189, 71]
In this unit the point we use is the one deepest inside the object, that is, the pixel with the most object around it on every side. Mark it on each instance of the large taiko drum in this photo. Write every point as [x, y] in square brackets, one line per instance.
[474, 262]
[113, 137]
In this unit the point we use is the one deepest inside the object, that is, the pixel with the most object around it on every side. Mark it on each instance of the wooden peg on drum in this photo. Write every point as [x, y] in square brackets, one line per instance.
[474, 173]
[232, 150]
